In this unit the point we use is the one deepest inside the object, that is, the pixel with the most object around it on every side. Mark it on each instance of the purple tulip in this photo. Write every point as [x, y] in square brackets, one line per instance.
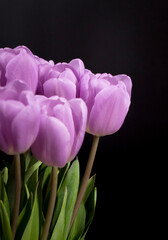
[108, 99]
[62, 79]
[18, 64]
[61, 132]
[19, 118]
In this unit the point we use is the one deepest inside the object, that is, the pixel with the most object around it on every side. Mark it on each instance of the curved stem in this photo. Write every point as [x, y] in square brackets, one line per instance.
[51, 204]
[85, 177]
[17, 193]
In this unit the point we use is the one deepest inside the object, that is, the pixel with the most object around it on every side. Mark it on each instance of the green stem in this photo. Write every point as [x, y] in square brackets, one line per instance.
[85, 177]
[51, 204]
[17, 193]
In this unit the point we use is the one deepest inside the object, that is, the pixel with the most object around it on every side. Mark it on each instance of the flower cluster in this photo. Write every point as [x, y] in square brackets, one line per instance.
[48, 107]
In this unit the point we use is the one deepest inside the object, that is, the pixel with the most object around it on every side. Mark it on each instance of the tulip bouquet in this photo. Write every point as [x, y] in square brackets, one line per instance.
[45, 110]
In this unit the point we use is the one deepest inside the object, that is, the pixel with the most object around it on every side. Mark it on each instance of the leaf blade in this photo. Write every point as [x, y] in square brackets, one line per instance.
[79, 223]
[71, 182]
[58, 232]
[31, 170]
[5, 224]
[24, 217]
[4, 196]
[32, 228]
[90, 208]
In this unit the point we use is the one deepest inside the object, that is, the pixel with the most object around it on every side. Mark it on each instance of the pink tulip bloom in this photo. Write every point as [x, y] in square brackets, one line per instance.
[19, 118]
[18, 64]
[62, 79]
[108, 99]
[61, 132]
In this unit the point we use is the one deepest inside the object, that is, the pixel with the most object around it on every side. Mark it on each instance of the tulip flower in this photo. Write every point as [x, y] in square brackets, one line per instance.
[108, 99]
[18, 64]
[19, 118]
[62, 79]
[61, 132]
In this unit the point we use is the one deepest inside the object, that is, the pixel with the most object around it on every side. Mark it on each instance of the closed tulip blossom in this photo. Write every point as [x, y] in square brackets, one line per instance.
[62, 79]
[61, 132]
[19, 118]
[18, 64]
[108, 99]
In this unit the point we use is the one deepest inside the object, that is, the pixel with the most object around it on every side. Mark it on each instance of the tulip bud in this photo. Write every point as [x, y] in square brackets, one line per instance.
[62, 129]
[108, 99]
[19, 118]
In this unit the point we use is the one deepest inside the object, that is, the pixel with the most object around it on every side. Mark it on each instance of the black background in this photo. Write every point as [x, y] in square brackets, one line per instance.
[117, 37]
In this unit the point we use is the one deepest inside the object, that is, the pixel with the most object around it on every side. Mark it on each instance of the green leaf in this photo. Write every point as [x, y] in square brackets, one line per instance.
[90, 210]
[31, 170]
[3, 196]
[79, 224]
[24, 217]
[5, 175]
[71, 182]
[27, 191]
[89, 188]
[33, 180]
[5, 224]
[41, 202]
[32, 228]
[62, 174]
[46, 188]
[29, 187]
[11, 187]
[59, 229]
[28, 158]
[45, 176]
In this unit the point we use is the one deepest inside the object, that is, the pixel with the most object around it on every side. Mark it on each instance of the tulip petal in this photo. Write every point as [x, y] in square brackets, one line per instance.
[23, 67]
[90, 86]
[126, 80]
[8, 110]
[24, 128]
[64, 114]
[84, 87]
[52, 145]
[97, 85]
[79, 112]
[59, 87]
[69, 75]
[6, 54]
[77, 66]
[109, 111]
